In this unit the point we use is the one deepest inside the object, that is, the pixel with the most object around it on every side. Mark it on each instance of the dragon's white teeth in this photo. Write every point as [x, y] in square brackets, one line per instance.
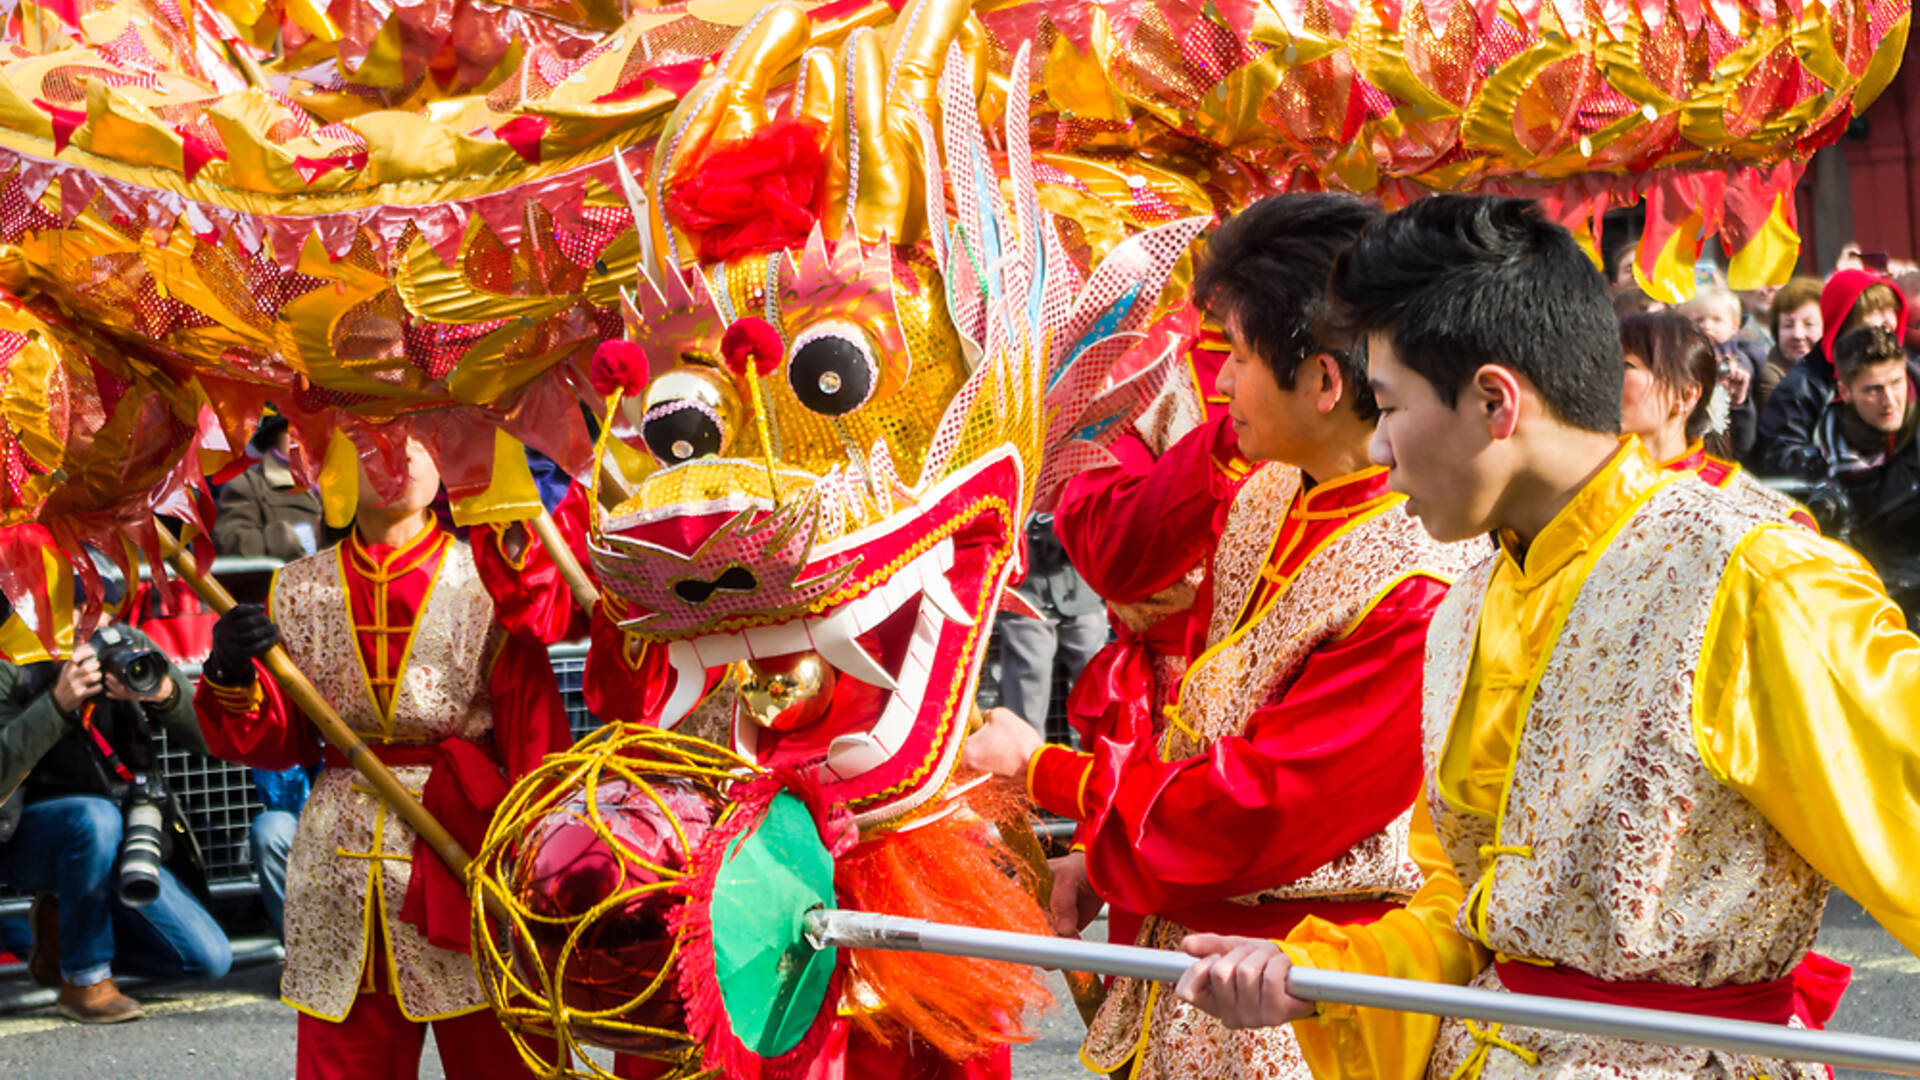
[849, 756]
[746, 736]
[689, 682]
[719, 650]
[939, 593]
[851, 658]
[779, 640]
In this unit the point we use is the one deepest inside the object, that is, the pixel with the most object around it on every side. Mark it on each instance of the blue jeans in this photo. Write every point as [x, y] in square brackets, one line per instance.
[67, 846]
[271, 838]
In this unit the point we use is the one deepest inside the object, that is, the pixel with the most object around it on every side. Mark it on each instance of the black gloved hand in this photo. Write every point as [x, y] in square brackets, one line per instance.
[241, 636]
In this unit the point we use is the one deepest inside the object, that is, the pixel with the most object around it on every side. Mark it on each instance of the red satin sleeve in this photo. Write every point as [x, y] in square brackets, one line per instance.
[1137, 526]
[1329, 765]
[530, 597]
[629, 680]
[255, 725]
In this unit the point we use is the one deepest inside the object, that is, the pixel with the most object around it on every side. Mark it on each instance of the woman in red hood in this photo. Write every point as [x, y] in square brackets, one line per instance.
[1852, 298]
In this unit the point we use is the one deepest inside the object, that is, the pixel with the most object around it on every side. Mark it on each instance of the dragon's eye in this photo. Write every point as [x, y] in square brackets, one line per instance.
[688, 415]
[831, 369]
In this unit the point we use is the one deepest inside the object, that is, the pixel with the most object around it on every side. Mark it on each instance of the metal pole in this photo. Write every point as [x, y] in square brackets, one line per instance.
[862, 930]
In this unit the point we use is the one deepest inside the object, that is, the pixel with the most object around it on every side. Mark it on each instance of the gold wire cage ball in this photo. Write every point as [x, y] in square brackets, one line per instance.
[572, 890]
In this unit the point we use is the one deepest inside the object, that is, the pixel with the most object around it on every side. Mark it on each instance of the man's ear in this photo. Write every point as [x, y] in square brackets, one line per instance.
[1333, 383]
[1495, 393]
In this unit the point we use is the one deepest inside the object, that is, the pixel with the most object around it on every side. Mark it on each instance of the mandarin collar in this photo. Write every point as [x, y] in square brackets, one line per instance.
[1353, 492]
[1615, 490]
[1690, 460]
[381, 557]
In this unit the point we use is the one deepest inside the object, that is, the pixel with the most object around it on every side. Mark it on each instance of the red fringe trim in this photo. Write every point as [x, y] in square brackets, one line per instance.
[692, 924]
[953, 871]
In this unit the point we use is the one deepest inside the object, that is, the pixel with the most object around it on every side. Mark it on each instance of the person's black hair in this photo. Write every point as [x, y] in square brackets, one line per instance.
[1864, 347]
[272, 426]
[1457, 282]
[1267, 268]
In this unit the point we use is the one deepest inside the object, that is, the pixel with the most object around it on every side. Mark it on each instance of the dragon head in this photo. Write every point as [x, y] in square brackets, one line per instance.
[855, 334]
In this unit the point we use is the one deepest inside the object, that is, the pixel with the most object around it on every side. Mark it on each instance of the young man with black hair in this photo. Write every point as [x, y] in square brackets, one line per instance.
[1866, 437]
[1657, 722]
[1281, 788]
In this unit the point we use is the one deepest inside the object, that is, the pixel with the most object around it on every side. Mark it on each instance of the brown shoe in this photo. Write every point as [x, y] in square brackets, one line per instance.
[101, 1003]
[43, 960]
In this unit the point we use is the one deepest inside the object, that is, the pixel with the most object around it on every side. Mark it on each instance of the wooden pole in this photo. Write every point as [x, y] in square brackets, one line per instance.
[584, 593]
[324, 717]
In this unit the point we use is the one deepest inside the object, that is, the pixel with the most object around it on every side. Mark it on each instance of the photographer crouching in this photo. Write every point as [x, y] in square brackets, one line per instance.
[86, 824]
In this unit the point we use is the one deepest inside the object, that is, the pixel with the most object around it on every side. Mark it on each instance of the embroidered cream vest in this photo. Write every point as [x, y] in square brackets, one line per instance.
[349, 867]
[1618, 854]
[1742, 485]
[1245, 669]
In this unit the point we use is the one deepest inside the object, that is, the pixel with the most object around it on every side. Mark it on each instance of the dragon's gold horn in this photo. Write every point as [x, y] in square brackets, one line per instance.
[730, 104]
[883, 82]
[820, 100]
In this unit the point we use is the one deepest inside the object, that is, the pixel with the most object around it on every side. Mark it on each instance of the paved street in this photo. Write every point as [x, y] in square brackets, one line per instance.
[236, 1029]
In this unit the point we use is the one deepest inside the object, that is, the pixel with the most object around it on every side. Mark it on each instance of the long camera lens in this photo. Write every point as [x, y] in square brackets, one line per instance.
[137, 879]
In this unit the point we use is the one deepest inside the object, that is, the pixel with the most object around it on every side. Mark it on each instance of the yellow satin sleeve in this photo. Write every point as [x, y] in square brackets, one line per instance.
[1417, 942]
[1807, 705]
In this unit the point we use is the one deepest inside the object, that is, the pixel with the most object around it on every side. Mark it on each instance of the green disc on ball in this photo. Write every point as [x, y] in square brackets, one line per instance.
[772, 981]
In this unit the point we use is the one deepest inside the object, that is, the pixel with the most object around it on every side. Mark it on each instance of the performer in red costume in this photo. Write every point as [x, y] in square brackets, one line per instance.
[396, 628]
[1128, 685]
[1296, 729]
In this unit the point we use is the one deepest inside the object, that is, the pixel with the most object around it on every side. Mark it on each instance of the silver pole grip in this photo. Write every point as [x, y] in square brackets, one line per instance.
[863, 930]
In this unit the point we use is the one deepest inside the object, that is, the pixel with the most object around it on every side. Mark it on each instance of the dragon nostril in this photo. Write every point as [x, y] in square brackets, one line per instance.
[693, 590]
[696, 591]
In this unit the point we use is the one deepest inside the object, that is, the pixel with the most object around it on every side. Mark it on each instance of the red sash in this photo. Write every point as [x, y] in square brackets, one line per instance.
[1811, 992]
[461, 792]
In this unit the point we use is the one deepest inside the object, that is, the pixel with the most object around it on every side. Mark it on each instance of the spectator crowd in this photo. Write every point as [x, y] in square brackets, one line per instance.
[1814, 392]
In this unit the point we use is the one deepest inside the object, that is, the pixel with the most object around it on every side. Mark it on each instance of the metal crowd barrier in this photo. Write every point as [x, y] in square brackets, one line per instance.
[220, 803]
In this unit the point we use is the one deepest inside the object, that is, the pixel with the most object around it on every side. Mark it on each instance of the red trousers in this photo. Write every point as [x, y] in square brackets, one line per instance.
[377, 1042]
[851, 1055]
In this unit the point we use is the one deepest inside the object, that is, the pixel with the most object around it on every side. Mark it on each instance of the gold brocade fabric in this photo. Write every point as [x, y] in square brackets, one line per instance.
[1259, 509]
[712, 719]
[1244, 670]
[1567, 1055]
[1142, 1025]
[350, 862]
[1742, 485]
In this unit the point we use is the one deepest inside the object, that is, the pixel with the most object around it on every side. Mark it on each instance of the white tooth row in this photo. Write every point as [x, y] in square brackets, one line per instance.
[850, 755]
[832, 636]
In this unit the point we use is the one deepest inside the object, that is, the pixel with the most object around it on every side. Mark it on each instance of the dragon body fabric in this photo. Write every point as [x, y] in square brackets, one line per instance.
[364, 211]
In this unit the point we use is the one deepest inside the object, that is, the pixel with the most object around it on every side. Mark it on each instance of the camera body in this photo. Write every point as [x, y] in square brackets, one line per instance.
[139, 669]
[145, 802]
